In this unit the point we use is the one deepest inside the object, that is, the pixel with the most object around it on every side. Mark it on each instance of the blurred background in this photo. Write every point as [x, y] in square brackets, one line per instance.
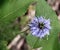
[55, 5]
[22, 44]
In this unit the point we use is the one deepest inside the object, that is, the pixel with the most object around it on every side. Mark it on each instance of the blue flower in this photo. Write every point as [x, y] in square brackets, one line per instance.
[40, 26]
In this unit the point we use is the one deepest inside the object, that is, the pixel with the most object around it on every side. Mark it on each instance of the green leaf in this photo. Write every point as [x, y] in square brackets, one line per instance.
[56, 44]
[43, 9]
[3, 45]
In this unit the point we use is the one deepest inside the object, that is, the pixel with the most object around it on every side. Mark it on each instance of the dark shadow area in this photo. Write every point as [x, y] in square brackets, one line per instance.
[24, 46]
[59, 7]
[2, 2]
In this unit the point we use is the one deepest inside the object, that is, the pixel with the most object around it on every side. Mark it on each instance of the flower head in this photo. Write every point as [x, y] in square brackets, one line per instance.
[40, 26]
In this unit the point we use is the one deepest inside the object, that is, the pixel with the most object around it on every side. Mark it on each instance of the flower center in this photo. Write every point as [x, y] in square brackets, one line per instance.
[41, 25]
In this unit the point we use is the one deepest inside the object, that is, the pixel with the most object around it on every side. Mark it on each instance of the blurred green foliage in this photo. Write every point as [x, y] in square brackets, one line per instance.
[9, 11]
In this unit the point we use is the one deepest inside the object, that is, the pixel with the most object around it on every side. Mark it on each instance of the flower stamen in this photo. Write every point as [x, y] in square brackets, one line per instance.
[41, 25]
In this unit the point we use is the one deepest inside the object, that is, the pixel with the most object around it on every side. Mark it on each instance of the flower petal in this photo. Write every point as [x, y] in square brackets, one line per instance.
[46, 31]
[35, 32]
[41, 19]
[33, 25]
[40, 31]
[35, 20]
[33, 28]
[42, 34]
[47, 26]
[47, 21]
